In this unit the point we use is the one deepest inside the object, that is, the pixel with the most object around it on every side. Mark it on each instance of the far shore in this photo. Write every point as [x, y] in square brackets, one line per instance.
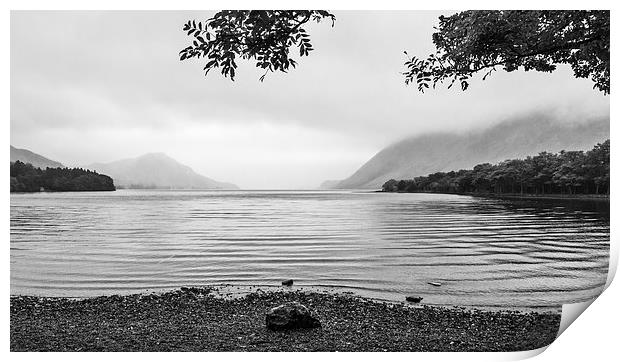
[201, 319]
[583, 197]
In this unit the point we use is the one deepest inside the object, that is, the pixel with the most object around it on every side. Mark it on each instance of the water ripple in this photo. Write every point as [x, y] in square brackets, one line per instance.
[484, 252]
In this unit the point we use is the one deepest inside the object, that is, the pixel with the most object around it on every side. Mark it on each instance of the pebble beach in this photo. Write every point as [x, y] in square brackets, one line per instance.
[200, 319]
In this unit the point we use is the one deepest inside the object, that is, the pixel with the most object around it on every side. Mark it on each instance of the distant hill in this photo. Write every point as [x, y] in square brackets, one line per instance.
[26, 156]
[329, 184]
[518, 138]
[158, 171]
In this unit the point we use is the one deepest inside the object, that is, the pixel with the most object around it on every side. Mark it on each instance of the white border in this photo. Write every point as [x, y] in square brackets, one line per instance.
[592, 336]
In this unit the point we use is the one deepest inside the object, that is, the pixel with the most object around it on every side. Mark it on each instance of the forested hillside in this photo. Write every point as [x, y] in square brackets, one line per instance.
[566, 172]
[518, 137]
[27, 178]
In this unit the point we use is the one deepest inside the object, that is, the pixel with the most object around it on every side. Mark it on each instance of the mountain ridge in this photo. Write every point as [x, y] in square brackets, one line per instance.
[157, 170]
[35, 159]
[516, 138]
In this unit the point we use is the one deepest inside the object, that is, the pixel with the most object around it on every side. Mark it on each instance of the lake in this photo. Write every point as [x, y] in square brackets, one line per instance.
[484, 252]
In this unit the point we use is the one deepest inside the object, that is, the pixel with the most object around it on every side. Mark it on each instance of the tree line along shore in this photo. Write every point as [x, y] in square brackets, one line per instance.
[572, 174]
[27, 178]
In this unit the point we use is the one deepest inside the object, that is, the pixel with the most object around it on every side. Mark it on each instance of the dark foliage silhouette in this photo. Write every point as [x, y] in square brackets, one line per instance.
[567, 172]
[27, 178]
[263, 36]
[481, 41]
[467, 43]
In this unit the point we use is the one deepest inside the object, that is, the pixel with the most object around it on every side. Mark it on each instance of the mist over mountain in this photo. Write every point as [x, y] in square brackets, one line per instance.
[329, 184]
[32, 158]
[156, 170]
[516, 138]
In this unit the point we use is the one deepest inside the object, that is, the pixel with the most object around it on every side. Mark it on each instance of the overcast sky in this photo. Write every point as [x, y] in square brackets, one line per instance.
[101, 86]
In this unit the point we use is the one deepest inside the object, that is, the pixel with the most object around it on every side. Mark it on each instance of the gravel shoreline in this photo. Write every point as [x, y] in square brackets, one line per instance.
[198, 319]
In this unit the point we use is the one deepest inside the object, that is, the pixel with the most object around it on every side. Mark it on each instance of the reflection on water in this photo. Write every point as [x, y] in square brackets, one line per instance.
[483, 252]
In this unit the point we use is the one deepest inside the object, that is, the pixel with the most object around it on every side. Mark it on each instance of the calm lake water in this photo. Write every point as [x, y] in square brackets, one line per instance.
[484, 252]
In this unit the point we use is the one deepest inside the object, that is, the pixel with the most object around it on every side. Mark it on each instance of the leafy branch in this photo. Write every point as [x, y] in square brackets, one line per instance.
[260, 35]
[472, 41]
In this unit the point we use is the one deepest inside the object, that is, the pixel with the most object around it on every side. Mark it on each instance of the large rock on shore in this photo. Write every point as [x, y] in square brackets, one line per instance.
[291, 315]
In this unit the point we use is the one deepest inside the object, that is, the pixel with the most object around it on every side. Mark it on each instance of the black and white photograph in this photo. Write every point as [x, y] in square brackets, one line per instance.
[306, 180]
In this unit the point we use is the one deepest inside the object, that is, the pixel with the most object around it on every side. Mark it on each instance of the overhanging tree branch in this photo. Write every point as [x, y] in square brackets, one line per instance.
[260, 35]
[472, 41]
